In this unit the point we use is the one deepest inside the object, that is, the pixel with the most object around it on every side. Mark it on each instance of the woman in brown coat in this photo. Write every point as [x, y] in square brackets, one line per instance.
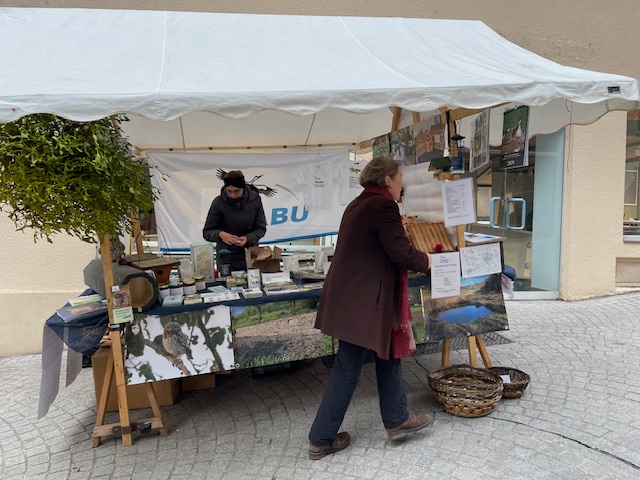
[364, 305]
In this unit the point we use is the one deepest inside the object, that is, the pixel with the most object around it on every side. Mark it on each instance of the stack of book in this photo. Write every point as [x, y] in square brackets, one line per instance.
[278, 283]
[219, 297]
[254, 292]
[172, 301]
[192, 298]
[305, 287]
[81, 310]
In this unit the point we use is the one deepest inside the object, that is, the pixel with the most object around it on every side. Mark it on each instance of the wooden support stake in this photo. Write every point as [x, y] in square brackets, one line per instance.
[136, 232]
[397, 113]
[446, 352]
[104, 395]
[153, 401]
[483, 352]
[115, 369]
[473, 356]
[473, 342]
[116, 344]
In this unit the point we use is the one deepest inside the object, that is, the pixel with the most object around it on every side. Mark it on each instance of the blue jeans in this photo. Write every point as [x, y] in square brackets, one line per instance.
[345, 374]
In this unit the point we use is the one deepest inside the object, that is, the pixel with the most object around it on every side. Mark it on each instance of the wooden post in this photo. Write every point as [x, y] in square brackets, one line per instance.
[136, 232]
[397, 113]
[116, 348]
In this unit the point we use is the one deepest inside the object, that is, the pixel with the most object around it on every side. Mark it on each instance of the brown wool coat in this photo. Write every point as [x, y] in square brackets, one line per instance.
[362, 287]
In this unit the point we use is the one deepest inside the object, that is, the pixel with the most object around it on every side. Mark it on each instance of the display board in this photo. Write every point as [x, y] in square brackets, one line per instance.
[161, 347]
[303, 194]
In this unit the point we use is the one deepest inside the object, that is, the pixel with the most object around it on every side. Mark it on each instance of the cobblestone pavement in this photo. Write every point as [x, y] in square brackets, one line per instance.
[579, 418]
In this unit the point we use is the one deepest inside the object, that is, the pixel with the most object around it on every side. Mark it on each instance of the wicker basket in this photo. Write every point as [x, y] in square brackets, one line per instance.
[466, 391]
[519, 381]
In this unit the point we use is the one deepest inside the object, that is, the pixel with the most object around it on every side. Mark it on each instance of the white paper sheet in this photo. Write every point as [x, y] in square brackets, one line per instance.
[445, 275]
[457, 200]
[481, 260]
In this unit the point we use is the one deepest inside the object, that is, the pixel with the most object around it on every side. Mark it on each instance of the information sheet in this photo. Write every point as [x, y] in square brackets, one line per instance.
[481, 260]
[445, 275]
[457, 200]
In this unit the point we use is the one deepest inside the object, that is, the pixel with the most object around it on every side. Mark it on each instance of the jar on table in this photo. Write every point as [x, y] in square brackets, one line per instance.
[201, 285]
[163, 290]
[176, 288]
[189, 286]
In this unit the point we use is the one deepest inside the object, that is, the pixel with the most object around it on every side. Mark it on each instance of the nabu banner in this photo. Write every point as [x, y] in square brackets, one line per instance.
[303, 194]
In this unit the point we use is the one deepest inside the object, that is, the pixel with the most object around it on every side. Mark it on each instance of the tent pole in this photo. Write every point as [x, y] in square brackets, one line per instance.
[136, 231]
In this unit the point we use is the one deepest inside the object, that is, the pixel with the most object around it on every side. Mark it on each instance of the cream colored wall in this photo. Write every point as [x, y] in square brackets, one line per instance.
[36, 279]
[593, 207]
[579, 33]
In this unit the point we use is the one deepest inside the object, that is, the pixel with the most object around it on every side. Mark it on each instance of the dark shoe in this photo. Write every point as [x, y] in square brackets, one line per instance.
[340, 443]
[413, 424]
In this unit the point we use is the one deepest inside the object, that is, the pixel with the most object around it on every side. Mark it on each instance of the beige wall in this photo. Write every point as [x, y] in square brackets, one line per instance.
[593, 207]
[581, 33]
[36, 279]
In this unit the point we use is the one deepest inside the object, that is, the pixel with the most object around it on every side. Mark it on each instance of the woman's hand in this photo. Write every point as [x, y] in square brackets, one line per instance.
[231, 239]
[228, 238]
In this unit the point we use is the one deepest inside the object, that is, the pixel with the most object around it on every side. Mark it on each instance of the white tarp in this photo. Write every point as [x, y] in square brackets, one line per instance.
[303, 195]
[272, 79]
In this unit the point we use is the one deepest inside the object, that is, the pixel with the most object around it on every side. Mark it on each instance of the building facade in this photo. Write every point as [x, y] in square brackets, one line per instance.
[582, 190]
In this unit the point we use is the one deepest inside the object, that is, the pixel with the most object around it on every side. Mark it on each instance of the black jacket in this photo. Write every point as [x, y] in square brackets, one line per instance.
[244, 217]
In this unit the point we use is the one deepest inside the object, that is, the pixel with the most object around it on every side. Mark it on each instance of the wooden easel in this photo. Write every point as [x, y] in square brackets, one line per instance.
[115, 368]
[474, 342]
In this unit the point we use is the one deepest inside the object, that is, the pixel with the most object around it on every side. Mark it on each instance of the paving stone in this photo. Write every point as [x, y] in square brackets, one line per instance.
[577, 419]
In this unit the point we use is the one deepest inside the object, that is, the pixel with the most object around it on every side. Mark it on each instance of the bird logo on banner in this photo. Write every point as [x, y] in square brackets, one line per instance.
[261, 188]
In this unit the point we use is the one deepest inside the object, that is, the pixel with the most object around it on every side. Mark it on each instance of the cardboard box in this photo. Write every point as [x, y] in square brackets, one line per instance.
[166, 390]
[263, 258]
[198, 382]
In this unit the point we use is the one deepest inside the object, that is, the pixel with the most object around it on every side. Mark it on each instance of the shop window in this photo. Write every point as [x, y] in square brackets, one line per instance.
[631, 222]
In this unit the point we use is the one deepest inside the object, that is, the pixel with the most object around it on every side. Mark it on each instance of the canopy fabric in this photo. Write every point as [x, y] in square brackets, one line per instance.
[272, 79]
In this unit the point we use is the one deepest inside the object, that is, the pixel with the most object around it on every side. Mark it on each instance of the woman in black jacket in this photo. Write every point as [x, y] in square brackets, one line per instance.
[236, 218]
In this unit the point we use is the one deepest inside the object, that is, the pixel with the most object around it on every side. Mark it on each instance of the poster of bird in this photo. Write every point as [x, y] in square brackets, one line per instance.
[161, 347]
[515, 138]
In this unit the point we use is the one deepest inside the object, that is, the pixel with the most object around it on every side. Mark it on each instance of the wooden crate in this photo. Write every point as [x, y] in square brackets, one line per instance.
[425, 237]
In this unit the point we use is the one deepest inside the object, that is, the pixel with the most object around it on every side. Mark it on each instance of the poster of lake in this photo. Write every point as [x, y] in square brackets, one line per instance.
[478, 309]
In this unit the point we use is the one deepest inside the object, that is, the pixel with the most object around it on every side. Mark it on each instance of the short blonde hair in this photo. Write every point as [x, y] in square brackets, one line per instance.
[377, 170]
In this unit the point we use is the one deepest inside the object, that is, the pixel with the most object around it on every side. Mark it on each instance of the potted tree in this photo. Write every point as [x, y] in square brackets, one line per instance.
[82, 178]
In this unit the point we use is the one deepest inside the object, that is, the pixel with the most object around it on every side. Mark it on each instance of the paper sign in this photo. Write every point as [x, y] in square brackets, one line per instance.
[481, 260]
[457, 200]
[122, 310]
[445, 275]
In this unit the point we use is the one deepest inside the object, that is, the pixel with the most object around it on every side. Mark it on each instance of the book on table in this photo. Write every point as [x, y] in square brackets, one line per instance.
[278, 283]
[192, 298]
[82, 299]
[172, 301]
[74, 312]
[254, 292]
[280, 288]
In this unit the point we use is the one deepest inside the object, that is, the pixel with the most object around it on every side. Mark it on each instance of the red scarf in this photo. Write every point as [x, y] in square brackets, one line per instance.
[402, 342]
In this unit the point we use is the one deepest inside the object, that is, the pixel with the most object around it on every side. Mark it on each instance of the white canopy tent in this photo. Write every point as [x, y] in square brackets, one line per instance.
[197, 80]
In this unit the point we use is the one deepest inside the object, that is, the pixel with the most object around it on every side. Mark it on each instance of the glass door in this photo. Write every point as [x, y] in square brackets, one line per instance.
[524, 205]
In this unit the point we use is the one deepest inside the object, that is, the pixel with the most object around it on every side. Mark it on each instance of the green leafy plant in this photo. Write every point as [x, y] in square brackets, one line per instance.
[58, 175]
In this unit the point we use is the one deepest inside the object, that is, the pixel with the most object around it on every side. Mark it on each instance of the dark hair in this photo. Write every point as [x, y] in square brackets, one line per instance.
[234, 174]
[377, 170]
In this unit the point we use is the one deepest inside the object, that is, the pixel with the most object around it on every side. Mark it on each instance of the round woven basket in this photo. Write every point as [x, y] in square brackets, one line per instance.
[519, 381]
[466, 391]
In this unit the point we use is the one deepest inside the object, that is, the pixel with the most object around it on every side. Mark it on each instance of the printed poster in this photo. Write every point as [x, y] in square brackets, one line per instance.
[479, 156]
[161, 347]
[515, 138]
[457, 200]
